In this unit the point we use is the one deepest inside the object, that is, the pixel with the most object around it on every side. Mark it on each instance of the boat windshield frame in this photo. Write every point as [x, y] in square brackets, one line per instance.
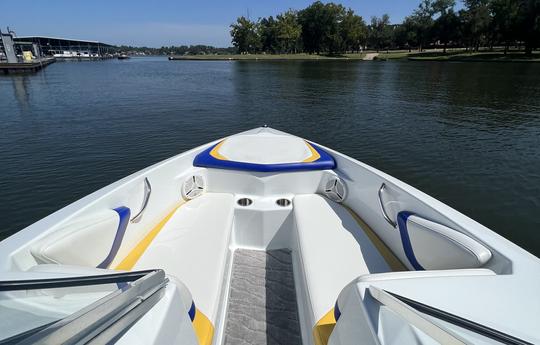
[102, 321]
[442, 315]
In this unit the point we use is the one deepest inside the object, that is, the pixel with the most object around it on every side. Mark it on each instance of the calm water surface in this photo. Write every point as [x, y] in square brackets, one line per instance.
[465, 133]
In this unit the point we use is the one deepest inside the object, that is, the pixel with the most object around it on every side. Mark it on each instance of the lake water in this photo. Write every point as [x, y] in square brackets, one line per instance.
[466, 133]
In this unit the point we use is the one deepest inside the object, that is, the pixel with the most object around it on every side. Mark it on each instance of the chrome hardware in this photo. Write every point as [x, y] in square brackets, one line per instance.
[244, 202]
[385, 215]
[283, 202]
[147, 192]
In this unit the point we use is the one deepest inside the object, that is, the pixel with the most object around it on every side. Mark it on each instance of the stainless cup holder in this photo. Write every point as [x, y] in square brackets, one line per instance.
[244, 202]
[283, 202]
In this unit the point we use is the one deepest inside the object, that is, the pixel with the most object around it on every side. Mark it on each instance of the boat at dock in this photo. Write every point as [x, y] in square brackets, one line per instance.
[123, 57]
[264, 237]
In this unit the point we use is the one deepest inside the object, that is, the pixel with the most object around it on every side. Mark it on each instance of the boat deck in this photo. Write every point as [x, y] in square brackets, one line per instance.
[262, 305]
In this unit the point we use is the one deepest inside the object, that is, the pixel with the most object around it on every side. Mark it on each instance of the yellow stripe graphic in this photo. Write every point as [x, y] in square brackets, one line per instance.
[131, 259]
[215, 152]
[203, 328]
[314, 154]
[387, 254]
[323, 328]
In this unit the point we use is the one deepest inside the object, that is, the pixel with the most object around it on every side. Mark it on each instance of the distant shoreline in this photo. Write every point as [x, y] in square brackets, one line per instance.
[273, 57]
[460, 56]
[477, 57]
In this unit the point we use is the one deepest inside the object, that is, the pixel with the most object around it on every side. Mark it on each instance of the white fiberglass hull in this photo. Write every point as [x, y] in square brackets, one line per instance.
[357, 238]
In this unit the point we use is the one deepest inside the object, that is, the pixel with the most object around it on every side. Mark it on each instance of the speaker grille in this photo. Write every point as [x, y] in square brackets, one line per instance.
[335, 190]
[193, 187]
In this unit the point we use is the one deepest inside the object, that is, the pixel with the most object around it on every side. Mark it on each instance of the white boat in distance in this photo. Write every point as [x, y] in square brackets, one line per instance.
[264, 238]
[73, 54]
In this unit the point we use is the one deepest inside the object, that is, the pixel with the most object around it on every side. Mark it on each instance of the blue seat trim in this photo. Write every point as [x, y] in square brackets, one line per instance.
[124, 214]
[192, 311]
[337, 312]
[205, 160]
[406, 241]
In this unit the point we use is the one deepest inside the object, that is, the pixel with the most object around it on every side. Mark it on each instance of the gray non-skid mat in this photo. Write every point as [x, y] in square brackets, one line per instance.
[262, 300]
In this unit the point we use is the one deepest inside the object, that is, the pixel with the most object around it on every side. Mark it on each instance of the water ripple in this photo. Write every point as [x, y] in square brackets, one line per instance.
[468, 134]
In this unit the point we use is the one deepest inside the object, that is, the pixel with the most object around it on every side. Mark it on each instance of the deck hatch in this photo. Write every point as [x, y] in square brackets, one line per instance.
[270, 153]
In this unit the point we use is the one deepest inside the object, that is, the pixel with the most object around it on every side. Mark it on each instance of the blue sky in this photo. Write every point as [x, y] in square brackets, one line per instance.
[158, 23]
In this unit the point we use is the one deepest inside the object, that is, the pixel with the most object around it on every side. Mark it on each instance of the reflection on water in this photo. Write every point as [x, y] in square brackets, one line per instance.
[466, 133]
[20, 90]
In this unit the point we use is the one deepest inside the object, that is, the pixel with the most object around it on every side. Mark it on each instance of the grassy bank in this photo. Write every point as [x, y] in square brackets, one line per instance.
[477, 56]
[456, 55]
[393, 55]
[358, 56]
[461, 55]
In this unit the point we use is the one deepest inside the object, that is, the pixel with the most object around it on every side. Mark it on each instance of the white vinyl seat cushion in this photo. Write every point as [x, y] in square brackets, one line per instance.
[192, 247]
[334, 250]
[85, 241]
[434, 246]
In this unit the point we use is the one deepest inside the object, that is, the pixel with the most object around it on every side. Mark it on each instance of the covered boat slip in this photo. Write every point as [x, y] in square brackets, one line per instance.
[269, 239]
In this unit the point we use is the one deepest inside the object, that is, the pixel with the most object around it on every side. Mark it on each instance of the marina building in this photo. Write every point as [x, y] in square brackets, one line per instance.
[17, 49]
[68, 48]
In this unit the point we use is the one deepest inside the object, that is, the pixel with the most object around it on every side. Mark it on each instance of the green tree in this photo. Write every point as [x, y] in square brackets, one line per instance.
[447, 28]
[268, 32]
[528, 24]
[422, 19]
[446, 25]
[332, 39]
[380, 32]
[505, 20]
[245, 36]
[288, 32]
[405, 35]
[353, 31]
[321, 27]
[310, 20]
[475, 22]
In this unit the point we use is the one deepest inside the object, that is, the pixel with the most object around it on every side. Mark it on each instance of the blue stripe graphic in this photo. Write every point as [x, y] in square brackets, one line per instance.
[124, 214]
[406, 241]
[192, 311]
[205, 160]
[337, 312]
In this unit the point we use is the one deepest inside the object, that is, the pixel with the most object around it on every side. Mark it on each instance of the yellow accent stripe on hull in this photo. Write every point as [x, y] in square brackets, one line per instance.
[215, 151]
[391, 259]
[314, 154]
[204, 330]
[323, 328]
[131, 259]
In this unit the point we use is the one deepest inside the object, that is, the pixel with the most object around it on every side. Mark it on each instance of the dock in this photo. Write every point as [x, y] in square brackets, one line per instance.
[29, 54]
[25, 67]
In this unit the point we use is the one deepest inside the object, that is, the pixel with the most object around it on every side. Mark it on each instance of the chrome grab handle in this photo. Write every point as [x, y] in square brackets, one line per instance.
[147, 192]
[385, 215]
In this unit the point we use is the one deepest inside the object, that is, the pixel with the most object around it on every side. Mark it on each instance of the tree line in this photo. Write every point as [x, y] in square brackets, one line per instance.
[177, 50]
[331, 28]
